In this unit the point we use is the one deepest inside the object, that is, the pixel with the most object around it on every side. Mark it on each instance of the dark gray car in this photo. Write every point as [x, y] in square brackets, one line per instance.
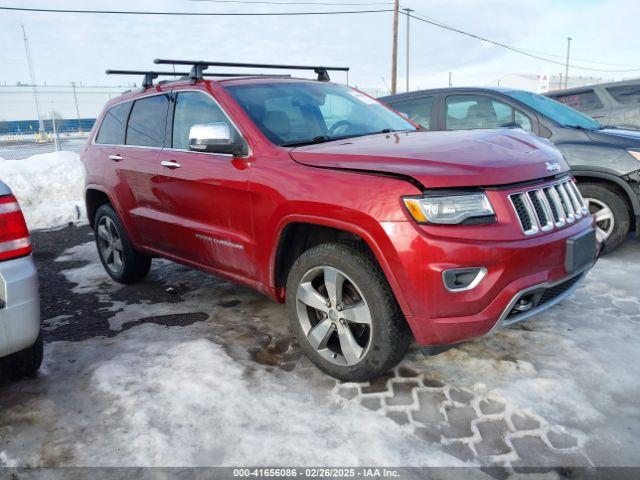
[605, 161]
[616, 103]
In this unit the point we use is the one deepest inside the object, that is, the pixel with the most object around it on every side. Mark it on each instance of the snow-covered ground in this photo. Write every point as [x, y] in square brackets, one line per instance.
[213, 378]
[49, 187]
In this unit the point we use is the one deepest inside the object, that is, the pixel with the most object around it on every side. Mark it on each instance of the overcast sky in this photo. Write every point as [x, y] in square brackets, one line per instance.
[72, 47]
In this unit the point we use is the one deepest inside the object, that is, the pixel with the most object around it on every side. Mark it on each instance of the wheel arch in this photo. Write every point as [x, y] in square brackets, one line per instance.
[94, 198]
[299, 233]
[630, 197]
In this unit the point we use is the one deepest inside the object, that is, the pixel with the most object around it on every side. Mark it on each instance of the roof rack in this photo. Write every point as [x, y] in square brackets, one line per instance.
[150, 75]
[198, 67]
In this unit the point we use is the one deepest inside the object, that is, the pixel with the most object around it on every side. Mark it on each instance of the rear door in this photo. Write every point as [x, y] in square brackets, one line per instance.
[207, 204]
[137, 164]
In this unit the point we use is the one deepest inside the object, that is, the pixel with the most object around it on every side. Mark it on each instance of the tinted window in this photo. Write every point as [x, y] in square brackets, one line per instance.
[293, 113]
[625, 93]
[193, 108]
[556, 111]
[464, 112]
[112, 128]
[587, 100]
[417, 109]
[147, 121]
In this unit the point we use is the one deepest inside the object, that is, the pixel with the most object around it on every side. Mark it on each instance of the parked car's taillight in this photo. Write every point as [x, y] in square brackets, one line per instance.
[14, 235]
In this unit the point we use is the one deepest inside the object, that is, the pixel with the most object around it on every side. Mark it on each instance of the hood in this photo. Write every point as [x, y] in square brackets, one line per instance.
[616, 137]
[466, 158]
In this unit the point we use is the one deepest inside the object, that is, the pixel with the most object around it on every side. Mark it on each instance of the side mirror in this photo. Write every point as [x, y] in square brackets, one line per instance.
[214, 138]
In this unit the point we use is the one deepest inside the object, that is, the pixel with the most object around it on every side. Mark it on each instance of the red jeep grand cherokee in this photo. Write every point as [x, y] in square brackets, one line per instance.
[374, 233]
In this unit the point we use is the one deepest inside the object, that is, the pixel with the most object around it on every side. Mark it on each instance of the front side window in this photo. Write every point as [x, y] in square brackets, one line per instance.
[556, 111]
[147, 121]
[297, 113]
[587, 100]
[627, 94]
[418, 110]
[112, 128]
[193, 108]
[465, 112]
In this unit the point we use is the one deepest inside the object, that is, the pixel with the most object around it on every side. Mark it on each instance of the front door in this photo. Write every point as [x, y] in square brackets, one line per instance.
[205, 196]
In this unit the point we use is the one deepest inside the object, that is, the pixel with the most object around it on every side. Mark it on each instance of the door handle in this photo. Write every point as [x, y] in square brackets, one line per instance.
[170, 164]
[598, 115]
[115, 158]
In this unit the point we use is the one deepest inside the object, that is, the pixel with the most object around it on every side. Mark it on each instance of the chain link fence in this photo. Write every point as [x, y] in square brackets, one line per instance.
[66, 116]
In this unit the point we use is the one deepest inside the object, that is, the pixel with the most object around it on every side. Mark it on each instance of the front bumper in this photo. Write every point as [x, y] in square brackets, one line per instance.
[515, 268]
[19, 305]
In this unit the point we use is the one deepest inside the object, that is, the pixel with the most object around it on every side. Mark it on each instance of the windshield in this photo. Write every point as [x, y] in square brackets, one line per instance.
[565, 116]
[299, 113]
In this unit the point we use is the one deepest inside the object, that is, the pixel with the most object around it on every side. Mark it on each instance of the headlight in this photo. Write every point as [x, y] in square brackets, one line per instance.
[451, 210]
[635, 154]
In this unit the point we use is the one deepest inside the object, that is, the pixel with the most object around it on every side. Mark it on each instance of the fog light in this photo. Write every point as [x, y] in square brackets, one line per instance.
[463, 279]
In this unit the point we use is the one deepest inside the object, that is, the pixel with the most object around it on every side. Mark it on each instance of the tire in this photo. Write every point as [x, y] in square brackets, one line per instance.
[607, 201]
[118, 256]
[24, 363]
[381, 339]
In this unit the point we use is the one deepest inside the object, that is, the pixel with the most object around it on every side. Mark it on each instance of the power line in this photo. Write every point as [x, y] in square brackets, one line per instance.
[534, 51]
[191, 14]
[508, 47]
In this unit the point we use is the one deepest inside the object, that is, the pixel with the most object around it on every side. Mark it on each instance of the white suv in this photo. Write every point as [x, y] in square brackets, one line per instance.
[20, 337]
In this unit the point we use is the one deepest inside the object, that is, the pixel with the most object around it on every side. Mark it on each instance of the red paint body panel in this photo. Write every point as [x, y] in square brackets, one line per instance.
[463, 158]
[226, 215]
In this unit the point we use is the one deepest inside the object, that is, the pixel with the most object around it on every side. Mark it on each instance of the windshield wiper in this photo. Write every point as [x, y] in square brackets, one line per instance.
[313, 141]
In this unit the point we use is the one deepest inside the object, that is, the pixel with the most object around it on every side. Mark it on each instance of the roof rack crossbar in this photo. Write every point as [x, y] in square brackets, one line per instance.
[149, 75]
[198, 66]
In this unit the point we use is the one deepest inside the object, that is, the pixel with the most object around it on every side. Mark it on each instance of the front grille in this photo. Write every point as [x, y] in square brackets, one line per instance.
[548, 207]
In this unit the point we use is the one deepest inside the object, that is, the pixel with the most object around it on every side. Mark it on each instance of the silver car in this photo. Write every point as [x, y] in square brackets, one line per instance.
[20, 337]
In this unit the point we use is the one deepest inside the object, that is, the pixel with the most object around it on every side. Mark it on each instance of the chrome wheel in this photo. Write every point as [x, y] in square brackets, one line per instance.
[110, 244]
[334, 316]
[605, 221]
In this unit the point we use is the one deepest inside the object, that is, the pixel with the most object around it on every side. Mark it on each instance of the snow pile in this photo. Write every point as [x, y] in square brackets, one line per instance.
[49, 187]
[188, 403]
[165, 396]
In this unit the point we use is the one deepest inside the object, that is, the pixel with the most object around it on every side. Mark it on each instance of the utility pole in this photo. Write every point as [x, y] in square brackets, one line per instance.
[394, 48]
[566, 70]
[450, 84]
[75, 97]
[408, 10]
[33, 79]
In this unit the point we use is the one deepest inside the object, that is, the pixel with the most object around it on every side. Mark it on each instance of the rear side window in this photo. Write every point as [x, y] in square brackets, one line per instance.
[112, 128]
[625, 93]
[147, 121]
[587, 100]
[193, 108]
[418, 110]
